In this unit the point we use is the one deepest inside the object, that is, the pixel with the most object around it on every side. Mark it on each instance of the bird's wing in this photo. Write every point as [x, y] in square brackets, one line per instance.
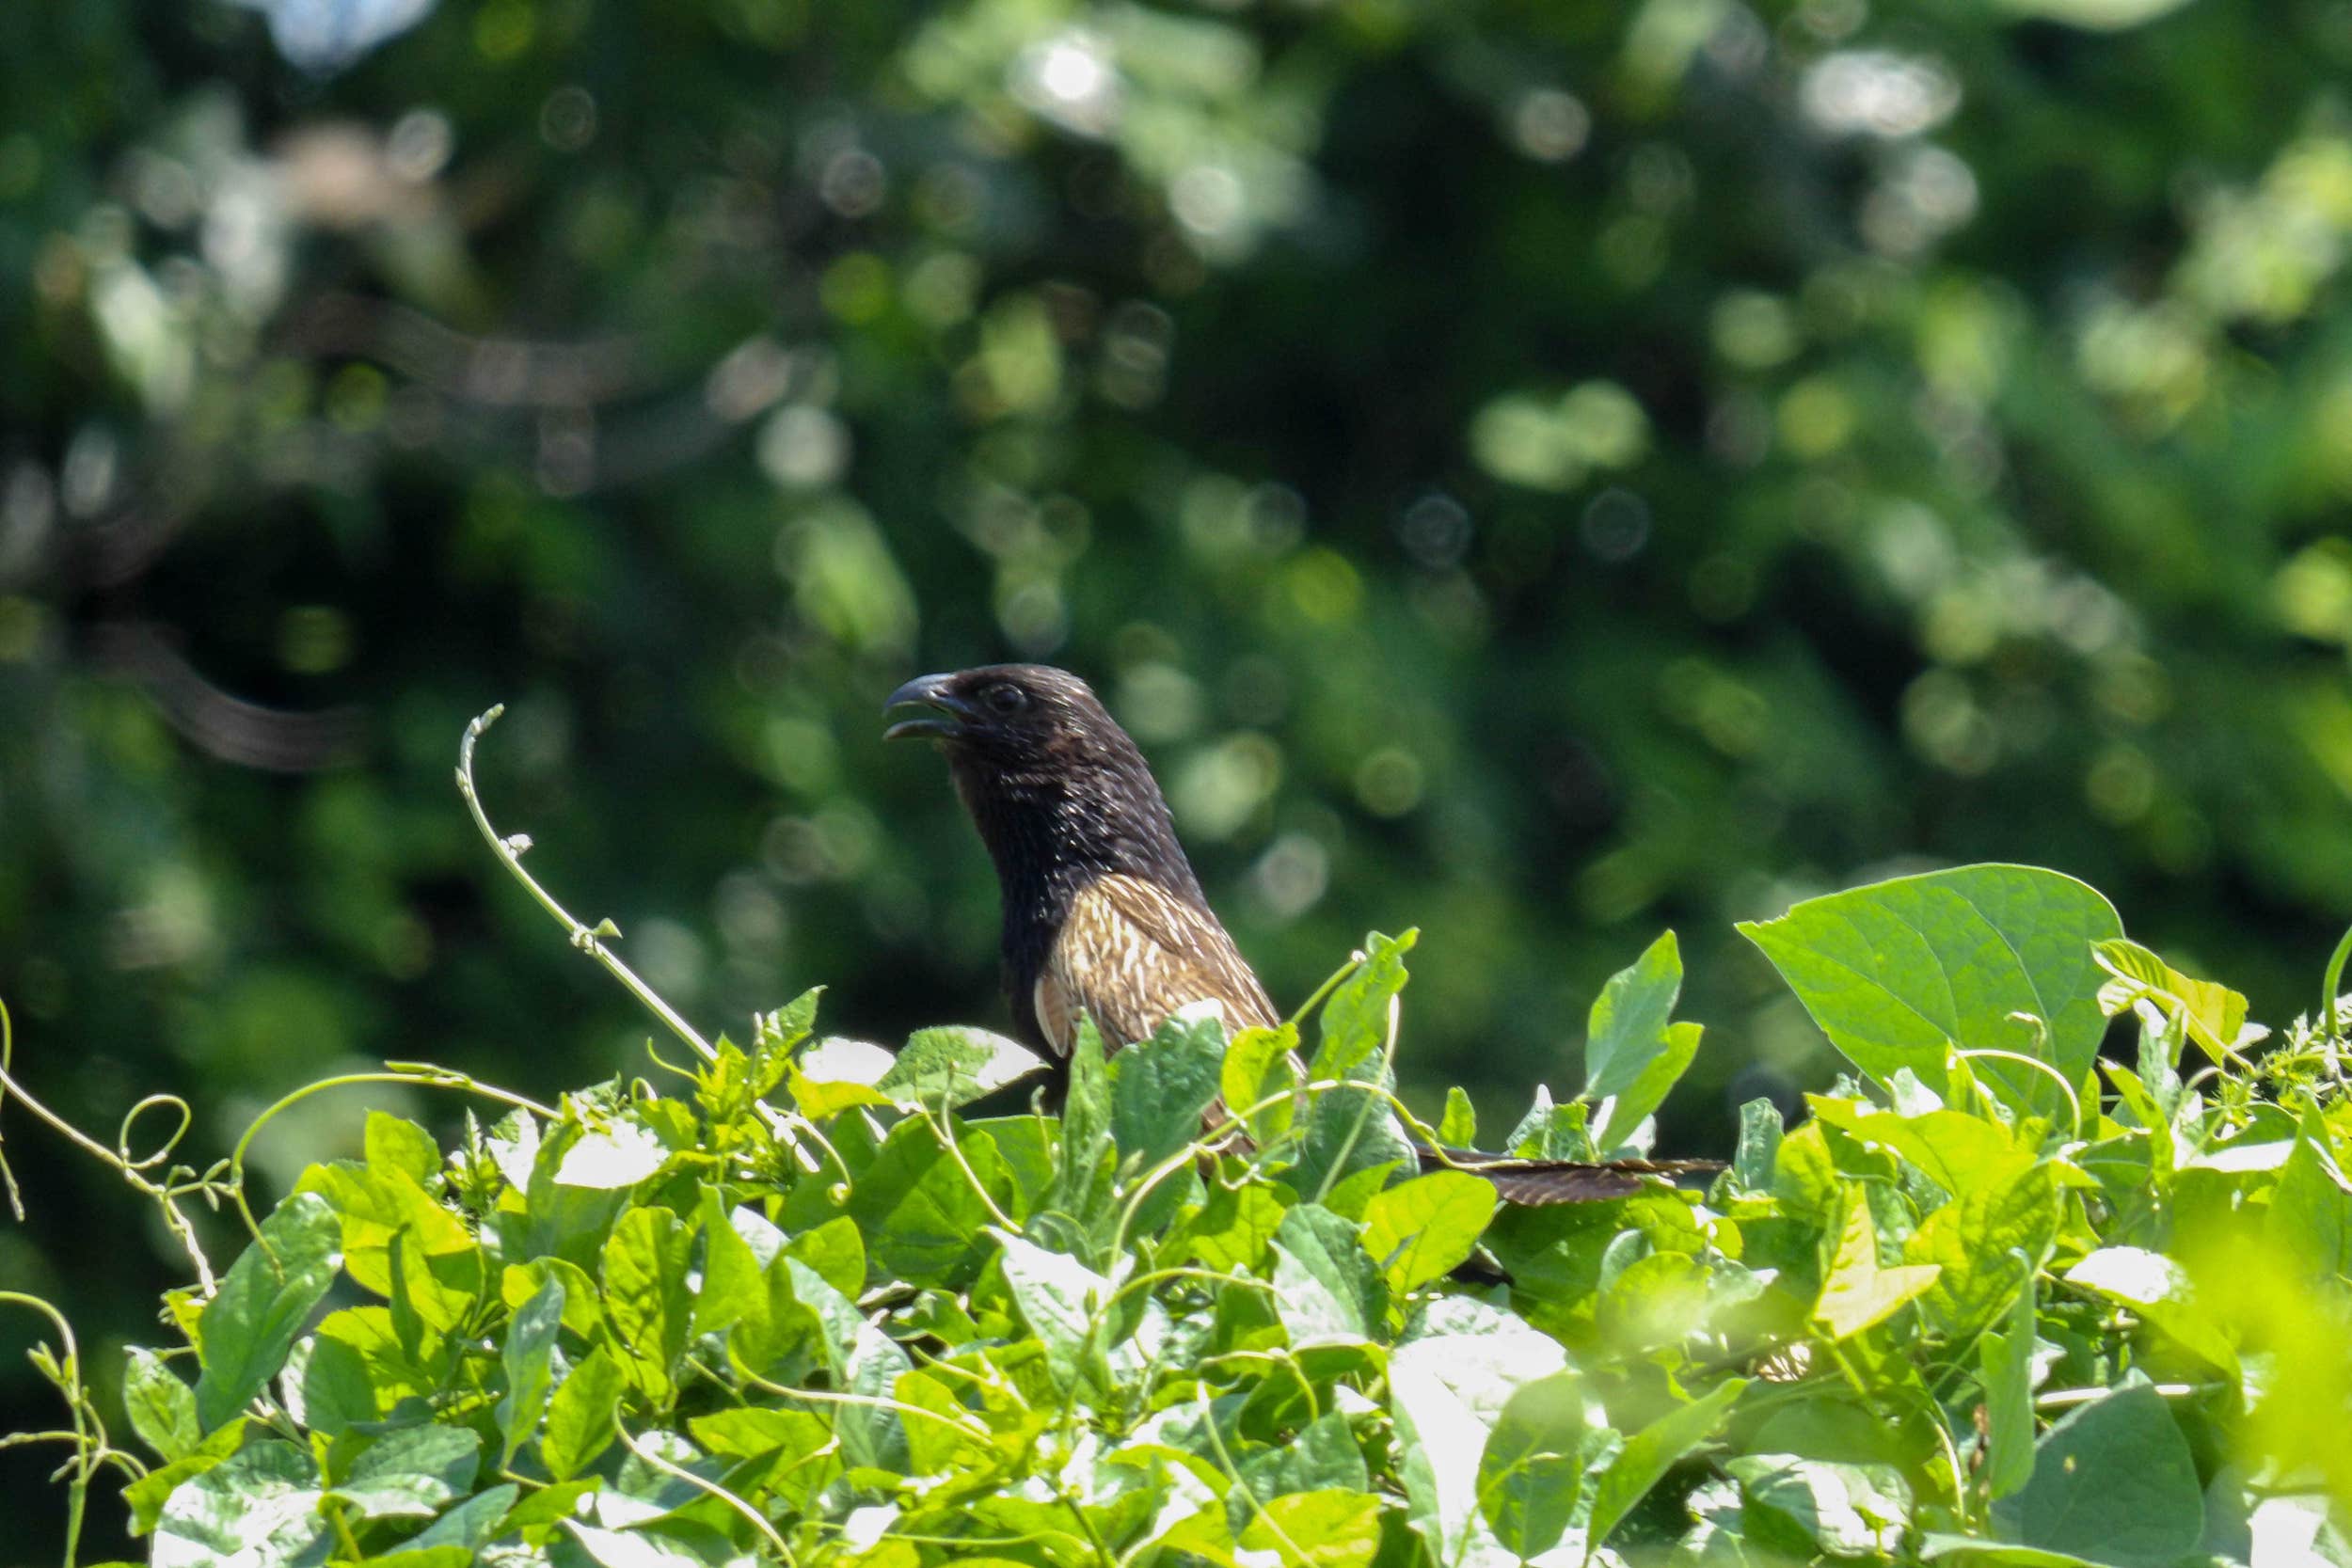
[1129, 953]
[1535, 1183]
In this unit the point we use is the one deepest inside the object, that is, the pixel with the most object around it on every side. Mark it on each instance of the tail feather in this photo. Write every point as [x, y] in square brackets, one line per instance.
[1534, 1182]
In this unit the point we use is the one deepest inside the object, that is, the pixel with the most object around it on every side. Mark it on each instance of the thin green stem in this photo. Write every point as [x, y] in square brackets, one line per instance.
[1337, 977]
[87, 1437]
[396, 1072]
[165, 1194]
[588, 939]
[2330, 1016]
[758, 1520]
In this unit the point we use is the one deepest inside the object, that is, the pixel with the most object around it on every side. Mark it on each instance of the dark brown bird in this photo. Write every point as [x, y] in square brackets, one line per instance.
[1103, 915]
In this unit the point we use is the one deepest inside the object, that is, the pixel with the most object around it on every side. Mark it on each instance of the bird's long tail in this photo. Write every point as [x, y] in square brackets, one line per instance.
[1534, 1182]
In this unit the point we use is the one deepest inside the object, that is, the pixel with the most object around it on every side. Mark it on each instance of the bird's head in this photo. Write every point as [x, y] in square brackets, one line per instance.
[1010, 716]
[1051, 782]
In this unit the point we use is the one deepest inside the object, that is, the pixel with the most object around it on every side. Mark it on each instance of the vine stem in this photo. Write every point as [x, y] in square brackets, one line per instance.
[88, 1437]
[589, 940]
[422, 1073]
[2329, 1011]
[165, 1194]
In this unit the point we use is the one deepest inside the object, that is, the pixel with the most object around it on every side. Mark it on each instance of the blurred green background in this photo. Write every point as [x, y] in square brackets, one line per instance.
[1537, 471]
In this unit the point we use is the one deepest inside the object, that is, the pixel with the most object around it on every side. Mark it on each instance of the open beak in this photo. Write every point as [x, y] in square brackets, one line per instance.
[949, 711]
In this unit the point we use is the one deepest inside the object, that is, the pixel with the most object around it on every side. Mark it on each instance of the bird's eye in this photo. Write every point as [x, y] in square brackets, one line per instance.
[1005, 699]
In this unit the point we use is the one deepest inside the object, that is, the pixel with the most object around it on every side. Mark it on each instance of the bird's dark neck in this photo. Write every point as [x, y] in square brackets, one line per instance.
[1053, 832]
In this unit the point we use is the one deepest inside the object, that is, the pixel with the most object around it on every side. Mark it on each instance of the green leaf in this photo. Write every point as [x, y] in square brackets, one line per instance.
[1900, 973]
[2004, 1363]
[1814, 1505]
[2113, 1482]
[1260, 1063]
[584, 1414]
[837, 1074]
[1550, 1132]
[1986, 1242]
[148, 1494]
[527, 1357]
[1760, 1129]
[1447, 1385]
[863, 1361]
[412, 1474]
[646, 1293]
[1327, 1288]
[613, 1548]
[1537, 1476]
[620, 1153]
[470, 1525]
[1649, 1453]
[1959, 1152]
[161, 1407]
[1858, 1293]
[1317, 1529]
[836, 1250]
[733, 1288]
[2309, 1224]
[256, 1509]
[1421, 1229]
[1159, 1087]
[247, 1328]
[1321, 1456]
[1082, 1186]
[2159, 1290]
[1059, 1298]
[1350, 1129]
[1633, 1056]
[1458, 1127]
[393, 1143]
[2214, 1015]
[1231, 1231]
[949, 1067]
[916, 1207]
[1354, 1023]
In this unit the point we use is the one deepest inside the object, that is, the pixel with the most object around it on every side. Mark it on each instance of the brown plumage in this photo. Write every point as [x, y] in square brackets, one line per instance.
[1103, 914]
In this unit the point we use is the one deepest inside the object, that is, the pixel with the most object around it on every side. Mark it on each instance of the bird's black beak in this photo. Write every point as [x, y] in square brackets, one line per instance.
[930, 692]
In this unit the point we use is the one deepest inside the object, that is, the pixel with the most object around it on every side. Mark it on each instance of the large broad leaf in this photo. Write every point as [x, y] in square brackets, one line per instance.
[1060, 1298]
[1421, 1229]
[1327, 1288]
[1806, 1506]
[2213, 1015]
[258, 1509]
[247, 1328]
[2113, 1482]
[1633, 1054]
[2005, 1361]
[1538, 1475]
[1649, 1453]
[646, 1294]
[1859, 1293]
[2309, 1220]
[2160, 1291]
[161, 1407]
[1901, 973]
[949, 1067]
[412, 1474]
[1316, 1530]
[1159, 1087]
[528, 1363]
[1351, 1130]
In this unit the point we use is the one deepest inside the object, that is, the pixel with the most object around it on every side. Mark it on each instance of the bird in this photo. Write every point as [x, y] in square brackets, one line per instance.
[1103, 914]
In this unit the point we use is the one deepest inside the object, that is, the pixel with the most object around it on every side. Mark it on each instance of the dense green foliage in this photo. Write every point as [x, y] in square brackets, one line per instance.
[1998, 1305]
[1542, 472]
